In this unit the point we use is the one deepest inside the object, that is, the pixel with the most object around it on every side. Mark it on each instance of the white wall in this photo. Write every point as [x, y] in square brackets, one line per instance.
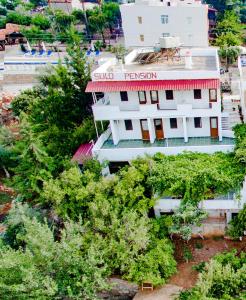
[192, 33]
[135, 133]
[169, 132]
[127, 154]
[180, 97]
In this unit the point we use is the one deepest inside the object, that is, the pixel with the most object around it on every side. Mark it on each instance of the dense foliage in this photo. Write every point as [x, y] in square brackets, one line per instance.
[195, 176]
[55, 120]
[43, 268]
[222, 278]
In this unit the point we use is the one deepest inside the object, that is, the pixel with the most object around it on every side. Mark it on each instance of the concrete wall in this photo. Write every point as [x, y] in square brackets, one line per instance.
[180, 97]
[127, 154]
[189, 23]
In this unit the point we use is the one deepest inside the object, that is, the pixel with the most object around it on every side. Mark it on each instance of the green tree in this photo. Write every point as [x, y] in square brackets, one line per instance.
[97, 22]
[45, 268]
[36, 35]
[41, 21]
[111, 12]
[184, 218]
[17, 18]
[33, 164]
[222, 278]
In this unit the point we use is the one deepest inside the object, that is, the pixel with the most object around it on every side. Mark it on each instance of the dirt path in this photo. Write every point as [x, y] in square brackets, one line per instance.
[167, 292]
[186, 277]
[202, 250]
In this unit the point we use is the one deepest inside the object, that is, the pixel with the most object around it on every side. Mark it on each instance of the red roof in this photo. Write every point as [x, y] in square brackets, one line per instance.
[151, 85]
[84, 152]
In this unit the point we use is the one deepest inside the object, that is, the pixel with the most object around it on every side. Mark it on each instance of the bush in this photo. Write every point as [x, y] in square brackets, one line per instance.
[3, 11]
[222, 278]
[199, 267]
[41, 21]
[17, 18]
[156, 266]
[187, 254]
[237, 225]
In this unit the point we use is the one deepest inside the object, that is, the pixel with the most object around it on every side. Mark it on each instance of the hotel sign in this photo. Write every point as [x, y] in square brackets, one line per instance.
[124, 76]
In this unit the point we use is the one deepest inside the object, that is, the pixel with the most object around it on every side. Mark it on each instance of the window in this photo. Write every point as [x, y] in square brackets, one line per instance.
[173, 123]
[123, 96]
[164, 19]
[140, 20]
[128, 124]
[169, 95]
[141, 37]
[165, 34]
[154, 97]
[142, 97]
[213, 95]
[168, 3]
[198, 122]
[197, 94]
[189, 20]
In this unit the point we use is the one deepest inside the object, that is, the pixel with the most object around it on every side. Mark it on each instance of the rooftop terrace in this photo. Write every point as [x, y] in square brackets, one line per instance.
[198, 63]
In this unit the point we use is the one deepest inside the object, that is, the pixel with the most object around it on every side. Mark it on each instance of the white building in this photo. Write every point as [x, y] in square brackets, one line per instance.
[157, 102]
[145, 21]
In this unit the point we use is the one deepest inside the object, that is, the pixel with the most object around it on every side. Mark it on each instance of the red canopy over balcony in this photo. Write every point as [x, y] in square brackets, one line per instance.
[152, 85]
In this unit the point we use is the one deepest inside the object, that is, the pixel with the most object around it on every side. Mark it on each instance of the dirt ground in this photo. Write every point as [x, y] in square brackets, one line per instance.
[202, 250]
[186, 277]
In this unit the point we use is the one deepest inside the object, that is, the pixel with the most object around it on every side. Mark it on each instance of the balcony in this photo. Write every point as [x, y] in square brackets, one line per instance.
[127, 150]
[169, 142]
[103, 110]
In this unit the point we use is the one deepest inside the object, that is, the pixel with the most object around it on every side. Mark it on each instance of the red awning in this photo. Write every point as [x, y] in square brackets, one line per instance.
[152, 85]
[83, 153]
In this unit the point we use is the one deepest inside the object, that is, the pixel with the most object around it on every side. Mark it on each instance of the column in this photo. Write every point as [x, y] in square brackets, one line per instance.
[220, 128]
[114, 131]
[151, 130]
[185, 130]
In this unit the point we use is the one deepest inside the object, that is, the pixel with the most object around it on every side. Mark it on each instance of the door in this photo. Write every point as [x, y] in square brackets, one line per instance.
[214, 127]
[145, 129]
[158, 129]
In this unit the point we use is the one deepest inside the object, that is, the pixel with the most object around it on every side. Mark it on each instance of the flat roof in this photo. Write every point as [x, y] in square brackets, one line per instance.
[199, 63]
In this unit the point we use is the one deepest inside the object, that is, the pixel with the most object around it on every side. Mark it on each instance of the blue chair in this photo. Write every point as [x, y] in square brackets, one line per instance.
[88, 52]
[49, 52]
[27, 52]
[41, 53]
[97, 52]
[33, 52]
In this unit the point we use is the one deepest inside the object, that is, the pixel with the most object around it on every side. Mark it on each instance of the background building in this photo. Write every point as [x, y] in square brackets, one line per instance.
[145, 21]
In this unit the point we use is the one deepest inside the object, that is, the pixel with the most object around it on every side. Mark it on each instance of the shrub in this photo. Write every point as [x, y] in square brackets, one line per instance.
[187, 254]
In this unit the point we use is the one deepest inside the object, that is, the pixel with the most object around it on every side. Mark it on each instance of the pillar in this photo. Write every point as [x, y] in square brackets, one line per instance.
[114, 131]
[185, 130]
[151, 130]
[220, 128]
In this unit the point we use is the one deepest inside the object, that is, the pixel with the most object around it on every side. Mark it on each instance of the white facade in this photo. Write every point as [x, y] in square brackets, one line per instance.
[144, 22]
[185, 118]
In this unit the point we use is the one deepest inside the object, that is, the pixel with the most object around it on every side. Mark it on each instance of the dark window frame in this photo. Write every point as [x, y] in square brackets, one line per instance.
[128, 125]
[169, 95]
[175, 124]
[140, 101]
[124, 96]
[199, 122]
[151, 97]
[197, 94]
